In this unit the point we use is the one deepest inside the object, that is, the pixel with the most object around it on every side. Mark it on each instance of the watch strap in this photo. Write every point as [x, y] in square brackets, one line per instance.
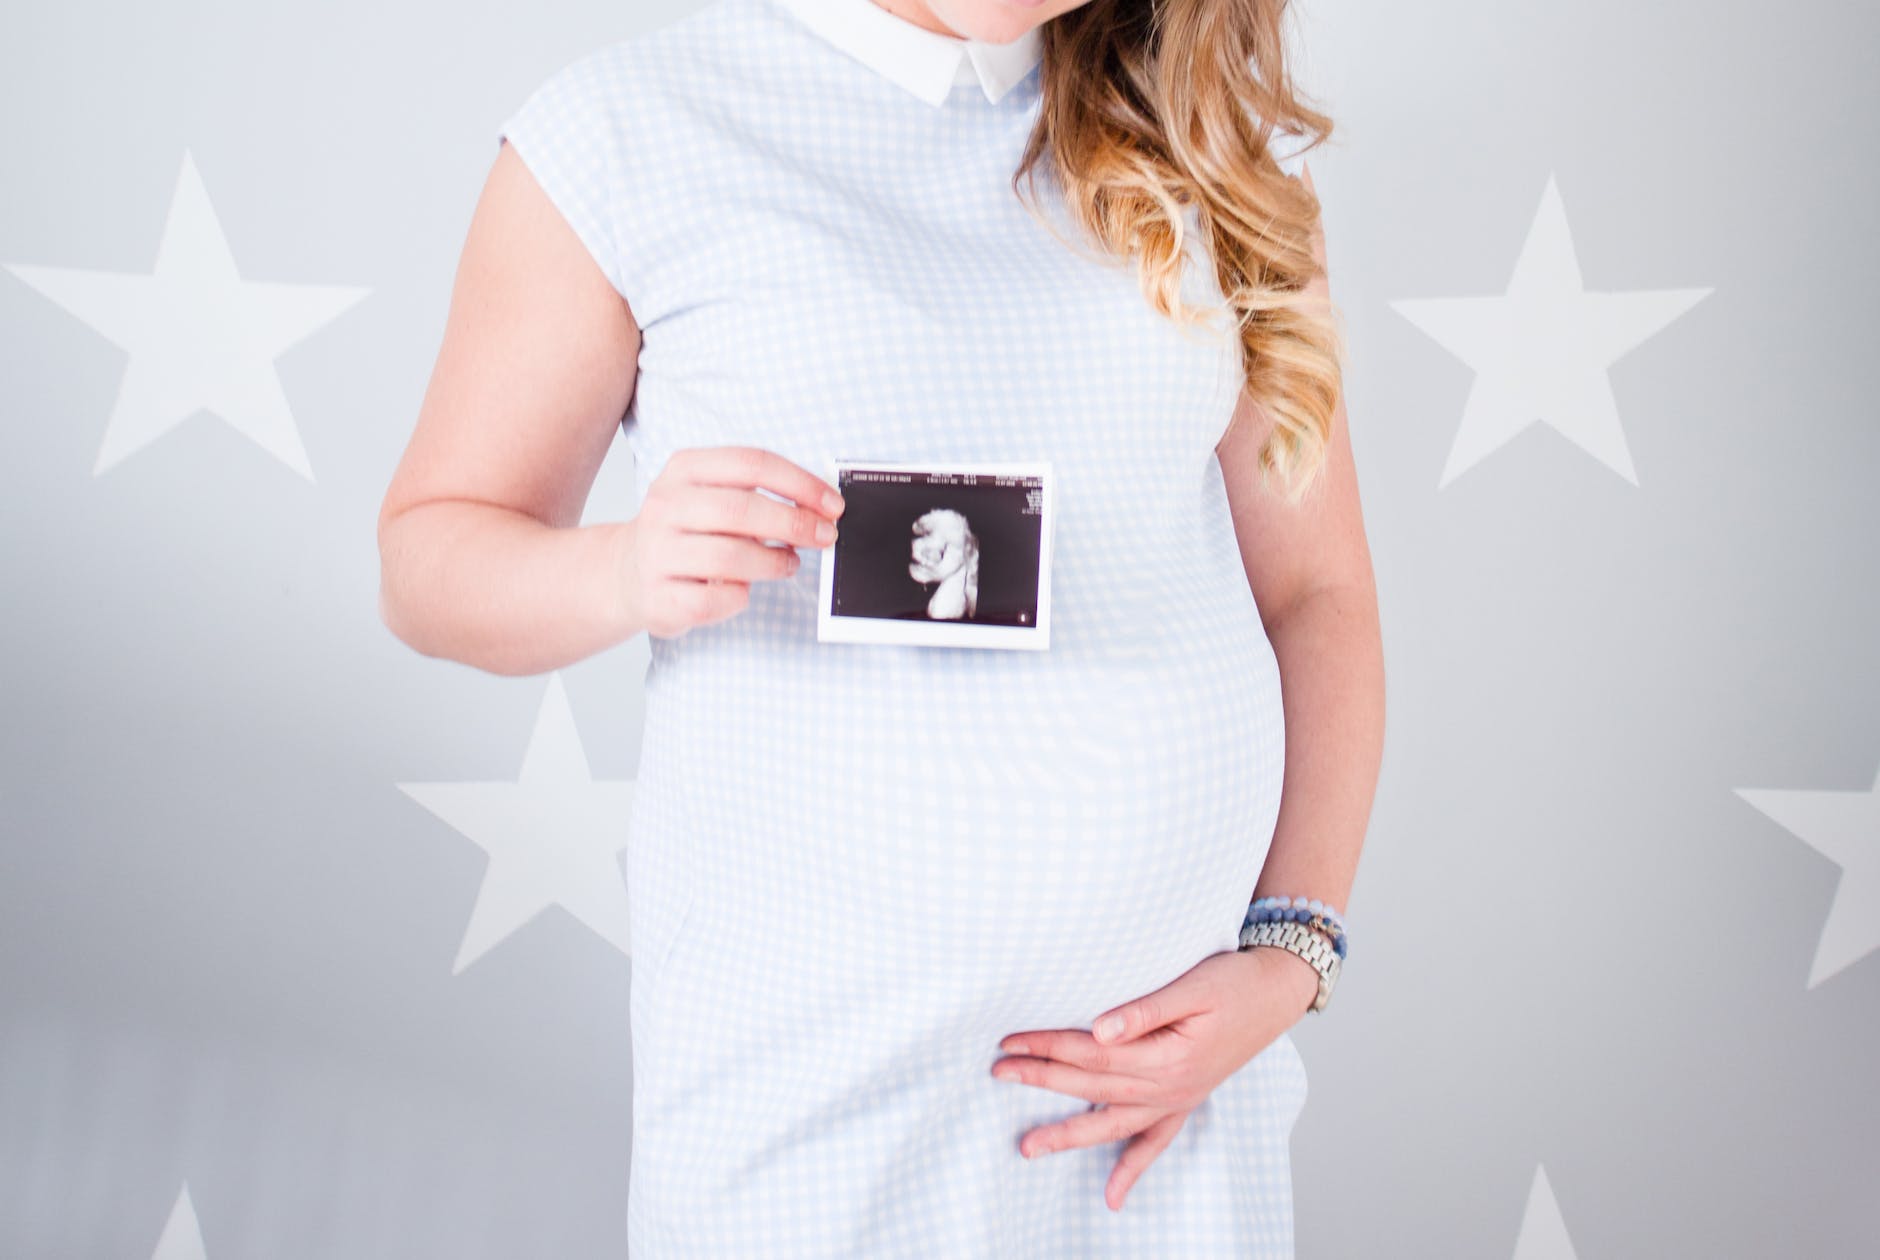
[1301, 939]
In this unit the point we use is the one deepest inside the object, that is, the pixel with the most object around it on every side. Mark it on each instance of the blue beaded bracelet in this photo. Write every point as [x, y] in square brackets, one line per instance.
[1311, 912]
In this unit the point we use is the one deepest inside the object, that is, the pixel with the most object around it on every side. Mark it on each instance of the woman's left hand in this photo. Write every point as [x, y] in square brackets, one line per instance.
[1169, 1051]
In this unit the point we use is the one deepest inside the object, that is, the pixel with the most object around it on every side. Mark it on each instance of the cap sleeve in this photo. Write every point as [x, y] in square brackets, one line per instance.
[568, 133]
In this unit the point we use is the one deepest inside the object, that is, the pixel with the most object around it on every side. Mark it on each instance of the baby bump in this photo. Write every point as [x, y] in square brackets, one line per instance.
[892, 852]
[820, 957]
[865, 992]
[957, 813]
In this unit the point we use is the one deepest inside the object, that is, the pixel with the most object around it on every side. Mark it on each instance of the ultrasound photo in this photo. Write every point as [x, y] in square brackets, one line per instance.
[948, 554]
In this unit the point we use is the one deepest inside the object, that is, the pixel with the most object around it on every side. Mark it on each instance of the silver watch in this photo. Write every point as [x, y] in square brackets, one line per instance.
[1302, 939]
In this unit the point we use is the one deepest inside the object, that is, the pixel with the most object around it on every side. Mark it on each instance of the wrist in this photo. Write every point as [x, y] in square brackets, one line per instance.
[627, 618]
[1287, 969]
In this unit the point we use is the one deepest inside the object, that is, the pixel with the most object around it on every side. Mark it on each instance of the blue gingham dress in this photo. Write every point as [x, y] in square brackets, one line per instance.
[854, 868]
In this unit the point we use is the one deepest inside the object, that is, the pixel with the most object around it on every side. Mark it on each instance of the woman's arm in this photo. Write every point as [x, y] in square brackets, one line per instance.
[1310, 569]
[482, 556]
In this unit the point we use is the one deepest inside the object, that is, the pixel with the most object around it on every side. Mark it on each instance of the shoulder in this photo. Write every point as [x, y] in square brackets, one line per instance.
[632, 139]
[690, 58]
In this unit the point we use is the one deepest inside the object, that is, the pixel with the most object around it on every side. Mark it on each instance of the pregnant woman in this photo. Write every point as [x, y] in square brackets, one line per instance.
[883, 895]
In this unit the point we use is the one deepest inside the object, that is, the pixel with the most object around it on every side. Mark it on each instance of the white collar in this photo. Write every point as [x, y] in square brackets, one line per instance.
[924, 62]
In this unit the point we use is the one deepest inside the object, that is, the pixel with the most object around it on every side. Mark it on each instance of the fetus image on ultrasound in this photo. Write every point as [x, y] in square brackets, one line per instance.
[937, 554]
[946, 551]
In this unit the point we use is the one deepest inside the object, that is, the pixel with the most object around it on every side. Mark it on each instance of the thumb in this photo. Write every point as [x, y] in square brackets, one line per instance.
[1145, 1014]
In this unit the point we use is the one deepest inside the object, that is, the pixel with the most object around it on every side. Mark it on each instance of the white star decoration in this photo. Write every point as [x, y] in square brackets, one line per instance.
[1541, 350]
[182, 1236]
[1543, 1233]
[554, 836]
[199, 336]
[1843, 827]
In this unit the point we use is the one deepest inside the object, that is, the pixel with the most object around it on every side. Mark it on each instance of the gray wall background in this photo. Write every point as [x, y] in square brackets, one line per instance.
[1612, 989]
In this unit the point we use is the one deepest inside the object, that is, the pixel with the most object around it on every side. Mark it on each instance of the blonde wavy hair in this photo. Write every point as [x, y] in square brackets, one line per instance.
[1151, 105]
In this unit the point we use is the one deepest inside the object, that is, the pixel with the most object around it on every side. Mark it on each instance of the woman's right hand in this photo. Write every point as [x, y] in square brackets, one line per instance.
[697, 542]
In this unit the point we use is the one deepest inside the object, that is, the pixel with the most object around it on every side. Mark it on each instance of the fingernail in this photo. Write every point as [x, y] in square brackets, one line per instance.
[1108, 1027]
[825, 532]
[832, 502]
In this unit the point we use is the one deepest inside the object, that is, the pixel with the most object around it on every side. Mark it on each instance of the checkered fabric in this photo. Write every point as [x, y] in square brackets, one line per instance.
[854, 868]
